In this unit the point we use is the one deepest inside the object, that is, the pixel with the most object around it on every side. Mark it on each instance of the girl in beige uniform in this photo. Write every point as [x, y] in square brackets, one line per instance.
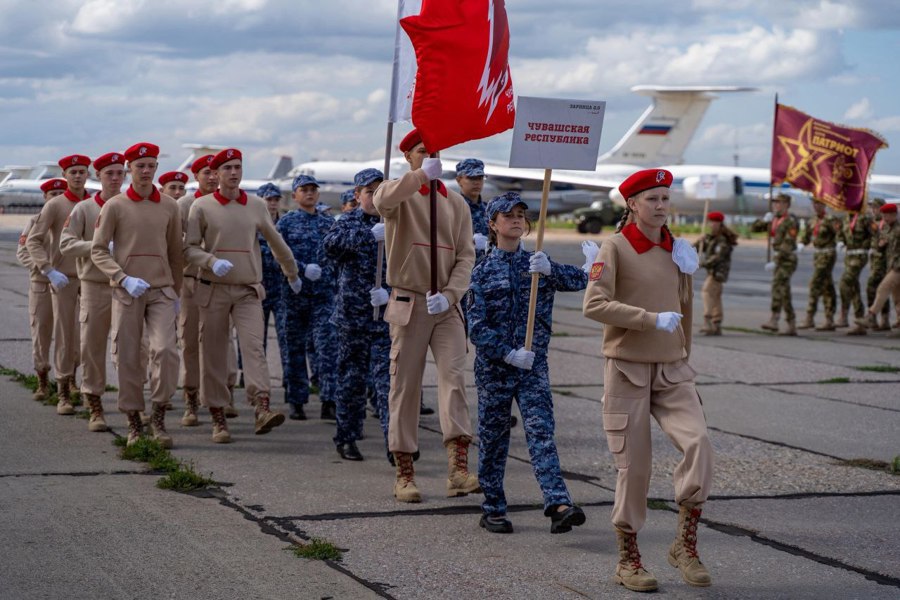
[640, 289]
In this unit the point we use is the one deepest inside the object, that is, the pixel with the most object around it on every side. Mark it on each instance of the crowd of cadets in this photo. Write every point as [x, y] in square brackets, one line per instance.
[150, 269]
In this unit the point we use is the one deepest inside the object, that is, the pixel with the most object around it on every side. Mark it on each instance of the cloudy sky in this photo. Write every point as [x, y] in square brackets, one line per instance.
[311, 78]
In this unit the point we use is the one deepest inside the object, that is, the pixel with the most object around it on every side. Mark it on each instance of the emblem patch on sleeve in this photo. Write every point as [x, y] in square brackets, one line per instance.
[596, 271]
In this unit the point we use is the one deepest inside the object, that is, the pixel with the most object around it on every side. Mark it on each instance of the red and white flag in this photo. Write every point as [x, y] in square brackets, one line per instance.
[463, 89]
[403, 81]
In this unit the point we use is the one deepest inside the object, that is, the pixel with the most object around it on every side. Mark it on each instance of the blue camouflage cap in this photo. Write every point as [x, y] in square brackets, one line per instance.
[268, 190]
[301, 180]
[470, 167]
[348, 196]
[367, 176]
[504, 204]
[322, 208]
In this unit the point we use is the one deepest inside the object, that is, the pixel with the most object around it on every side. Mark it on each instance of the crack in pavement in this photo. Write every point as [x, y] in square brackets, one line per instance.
[78, 473]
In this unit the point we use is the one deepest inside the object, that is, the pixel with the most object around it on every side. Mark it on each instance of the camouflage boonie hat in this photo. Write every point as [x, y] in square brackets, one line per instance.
[268, 190]
[367, 176]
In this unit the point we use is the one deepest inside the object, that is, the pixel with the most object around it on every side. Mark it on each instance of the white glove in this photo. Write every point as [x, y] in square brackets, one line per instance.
[221, 267]
[111, 246]
[668, 321]
[800, 246]
[135, 286]
[437, 303]
[841, 246]
[521, 359]
[57, 279]
[480, 240]
[312, 272]
[177, 306]
[590, 251]
[685, 256]
[432, 167]
[296, 285]
[378, 296]
[770, 266]
[378, 232]
[768, 217]
[539, 263]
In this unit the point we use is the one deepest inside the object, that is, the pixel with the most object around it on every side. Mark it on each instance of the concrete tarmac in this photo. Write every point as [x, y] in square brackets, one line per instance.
[790, 517]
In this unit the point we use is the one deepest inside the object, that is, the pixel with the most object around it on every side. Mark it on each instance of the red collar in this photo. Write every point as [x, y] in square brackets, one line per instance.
[639, 241]
[100, 201]
[72, 197]
[425, 190]
[242, 199]
[133, 195]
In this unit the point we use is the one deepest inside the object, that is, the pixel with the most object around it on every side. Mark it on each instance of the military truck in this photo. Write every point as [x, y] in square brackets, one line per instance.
[592, 219]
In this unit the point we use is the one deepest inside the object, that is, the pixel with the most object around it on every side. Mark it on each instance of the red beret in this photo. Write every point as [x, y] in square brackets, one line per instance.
[411, 140]
[142, 150]
[110, 158]
[716, 216]
[202, 162]
[172, 176]
[54, 184]
[888, 208]
[75, 160]
[645, 180]
[224, 156]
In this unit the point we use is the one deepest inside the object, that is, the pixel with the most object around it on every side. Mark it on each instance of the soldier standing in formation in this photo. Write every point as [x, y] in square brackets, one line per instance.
[878, 265]
[715, 256]
[96, 294]
[857, 236]
[419, 319]
[173, 183]
[62, 271]
[40, 304]
[783, 230]
[226, 224]
[271, 270]
[890, 286]
[348, 201]
[641, 290]
[498, 301]
[470, 178]
[144, 266]
[822, 232]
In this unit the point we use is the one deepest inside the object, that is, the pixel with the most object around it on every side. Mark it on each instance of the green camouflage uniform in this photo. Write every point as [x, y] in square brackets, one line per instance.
[878, 265]
[783, 231]
[822, 233]
[857, 235]
[715, 256]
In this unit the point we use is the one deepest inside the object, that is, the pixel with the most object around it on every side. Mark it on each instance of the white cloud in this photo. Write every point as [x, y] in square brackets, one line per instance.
[859, 110]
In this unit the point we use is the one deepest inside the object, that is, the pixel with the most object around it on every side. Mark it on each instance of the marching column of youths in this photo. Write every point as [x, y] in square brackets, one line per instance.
[150, 270]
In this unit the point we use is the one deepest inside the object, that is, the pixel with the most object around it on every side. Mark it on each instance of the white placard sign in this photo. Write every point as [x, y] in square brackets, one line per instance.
[706, 190]
[552, 133]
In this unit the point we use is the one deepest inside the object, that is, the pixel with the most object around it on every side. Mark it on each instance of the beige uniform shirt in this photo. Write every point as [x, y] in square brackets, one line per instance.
[43, 240]
[184, 208]
[24, 257]
[76, 238]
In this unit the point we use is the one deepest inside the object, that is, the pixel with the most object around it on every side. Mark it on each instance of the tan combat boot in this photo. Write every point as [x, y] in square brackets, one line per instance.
[629, 570]
[707, 327]
[230, 411]
[683, 551]
[828, 325]
[885, 323]
[859, 326]
[809, 323]
[191, 404]
[717, 328]
[96, 422]
[135, 427]
[43, 388]
[266, 419]
[64, 393]
[158, 425]
[772, 324]
[842, 320]
[459, 481]
[405, 489]
[220, 426]
[790, 328]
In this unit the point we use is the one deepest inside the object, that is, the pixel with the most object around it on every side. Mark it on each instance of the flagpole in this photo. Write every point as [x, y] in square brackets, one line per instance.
[379, 262]
[535, 277]
[433, 240]
[771, 187]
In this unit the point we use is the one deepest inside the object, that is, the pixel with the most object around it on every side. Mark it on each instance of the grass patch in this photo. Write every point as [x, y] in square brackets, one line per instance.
[151, 452]
[316, 549]
[120, 441]
[560, 392]
[83, 414]
[560, 334]
[748, 330]
[879, 368]
[657, 505]
[184, 479]
[895, 465]
[872, 464]
[835, 380]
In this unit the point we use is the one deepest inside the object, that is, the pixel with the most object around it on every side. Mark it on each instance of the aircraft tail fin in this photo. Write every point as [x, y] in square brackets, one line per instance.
[281, 168]
[661, 134]
[197, 150]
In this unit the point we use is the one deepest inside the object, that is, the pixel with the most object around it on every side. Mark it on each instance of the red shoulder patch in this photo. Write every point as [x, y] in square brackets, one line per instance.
[596, 271]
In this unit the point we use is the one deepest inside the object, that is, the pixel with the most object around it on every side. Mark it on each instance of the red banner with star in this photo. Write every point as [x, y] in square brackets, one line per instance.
[829, 161]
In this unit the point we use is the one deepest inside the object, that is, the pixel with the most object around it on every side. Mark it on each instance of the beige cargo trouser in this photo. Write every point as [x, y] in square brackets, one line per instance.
[65, 327]
[40, 311]
[95, 318]
[189, 336]
[889, 286]
[712, 299]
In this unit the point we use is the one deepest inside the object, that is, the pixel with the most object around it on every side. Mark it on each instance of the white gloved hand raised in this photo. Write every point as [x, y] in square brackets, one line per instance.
[769, 217]
[800, 246]
[539, 263]
[521, 359]
[221, 267]
[437, 303]
[378, 296]
[668, 321]
[590, 251]
[312, 272]
[480, 240]
[296, 285]
[135, 286]
[841, 246]
[57, 279]
[378, 232]
[432, 167]
[770, 266]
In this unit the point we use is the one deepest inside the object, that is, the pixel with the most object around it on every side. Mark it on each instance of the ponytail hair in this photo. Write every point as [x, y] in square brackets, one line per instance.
[624, 220]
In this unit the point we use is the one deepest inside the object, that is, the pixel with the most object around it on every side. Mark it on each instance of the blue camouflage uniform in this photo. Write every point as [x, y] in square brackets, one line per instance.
[272, 277]
[472, 167]
[364, 343]
[497, 311]
[306, 314]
